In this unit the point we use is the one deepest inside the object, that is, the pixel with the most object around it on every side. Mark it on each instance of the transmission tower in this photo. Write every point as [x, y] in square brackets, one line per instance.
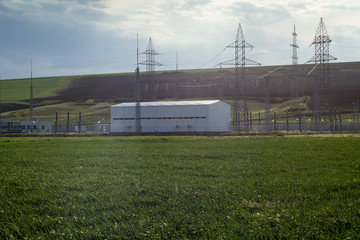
[240, 61]
[137, 93]
[294, 84]
[321, 72]
[150, 70]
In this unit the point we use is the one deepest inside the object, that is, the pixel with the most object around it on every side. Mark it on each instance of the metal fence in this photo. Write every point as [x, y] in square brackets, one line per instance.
[297, 127]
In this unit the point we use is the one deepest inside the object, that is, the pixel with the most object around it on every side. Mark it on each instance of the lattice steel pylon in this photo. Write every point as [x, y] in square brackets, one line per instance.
[150, 70]
[294, 84]
[240, 61]
[321, 72]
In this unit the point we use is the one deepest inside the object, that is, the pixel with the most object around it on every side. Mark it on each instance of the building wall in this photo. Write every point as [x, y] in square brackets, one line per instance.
[184, 118]
[220, 117]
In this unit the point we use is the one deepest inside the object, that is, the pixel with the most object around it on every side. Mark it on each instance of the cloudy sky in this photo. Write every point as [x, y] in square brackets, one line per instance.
[72, 37]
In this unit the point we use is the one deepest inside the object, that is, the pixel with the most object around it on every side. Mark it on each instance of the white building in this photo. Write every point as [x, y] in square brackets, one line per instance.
[179, 116]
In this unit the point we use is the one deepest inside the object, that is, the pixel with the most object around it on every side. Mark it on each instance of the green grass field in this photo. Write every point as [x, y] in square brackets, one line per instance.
[15, 94]
[19, 89]
[180, 187]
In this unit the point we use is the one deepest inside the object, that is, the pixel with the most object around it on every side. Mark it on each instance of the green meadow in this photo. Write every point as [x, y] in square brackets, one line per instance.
[15, 95]
[19, 89]
[180, 187]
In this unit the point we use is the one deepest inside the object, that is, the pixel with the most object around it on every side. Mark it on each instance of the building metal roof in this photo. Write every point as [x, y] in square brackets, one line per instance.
[172, 103]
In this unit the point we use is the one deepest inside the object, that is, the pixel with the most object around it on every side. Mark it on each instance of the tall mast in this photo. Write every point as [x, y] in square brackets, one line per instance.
[137, 91]
[294, 84]
[31, 98]
[294, 48]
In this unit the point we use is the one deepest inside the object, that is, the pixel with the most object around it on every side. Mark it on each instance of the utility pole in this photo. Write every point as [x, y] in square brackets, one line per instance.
[31, 99]
[137, 91]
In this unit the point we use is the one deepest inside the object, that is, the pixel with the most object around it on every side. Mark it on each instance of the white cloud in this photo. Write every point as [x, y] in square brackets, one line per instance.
[202, 28]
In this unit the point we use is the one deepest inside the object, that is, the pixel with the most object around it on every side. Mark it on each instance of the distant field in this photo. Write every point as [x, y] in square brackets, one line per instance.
[91, 112]
[19, 89]
[180, 187]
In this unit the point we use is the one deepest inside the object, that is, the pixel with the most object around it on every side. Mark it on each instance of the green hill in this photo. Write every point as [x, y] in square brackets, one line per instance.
[19, 89]
[94, 94]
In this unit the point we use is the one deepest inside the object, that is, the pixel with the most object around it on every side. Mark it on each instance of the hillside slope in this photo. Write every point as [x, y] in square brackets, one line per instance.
[345, 84]
[94, 94]
[19, 89]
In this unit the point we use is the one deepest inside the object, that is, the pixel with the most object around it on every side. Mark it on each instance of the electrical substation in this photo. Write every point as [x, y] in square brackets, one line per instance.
[239, 84]
[248, 97]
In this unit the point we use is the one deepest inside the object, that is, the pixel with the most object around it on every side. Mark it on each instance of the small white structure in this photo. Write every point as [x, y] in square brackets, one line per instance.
[83, 128]
[102, 128]
[25, 126]
[177, 116]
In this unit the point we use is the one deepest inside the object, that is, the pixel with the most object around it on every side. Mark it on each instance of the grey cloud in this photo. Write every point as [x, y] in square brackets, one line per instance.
[251, 13]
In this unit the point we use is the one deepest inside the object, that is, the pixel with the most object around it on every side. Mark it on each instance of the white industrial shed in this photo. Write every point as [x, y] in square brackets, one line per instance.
[177, 116]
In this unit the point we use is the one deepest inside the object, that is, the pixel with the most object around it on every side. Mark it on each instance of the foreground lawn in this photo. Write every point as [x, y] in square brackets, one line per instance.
[180, 187]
